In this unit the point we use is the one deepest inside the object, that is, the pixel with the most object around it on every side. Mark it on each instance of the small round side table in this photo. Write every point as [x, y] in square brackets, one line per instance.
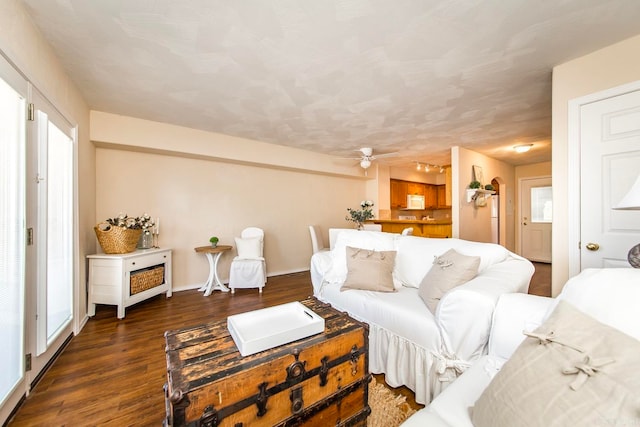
[213, 282]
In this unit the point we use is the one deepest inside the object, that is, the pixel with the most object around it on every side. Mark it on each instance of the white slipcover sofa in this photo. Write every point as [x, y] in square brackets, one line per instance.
[407, 342]
[609, 296]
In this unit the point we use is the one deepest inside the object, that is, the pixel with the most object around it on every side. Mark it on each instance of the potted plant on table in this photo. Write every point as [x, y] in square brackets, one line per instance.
[214, 241]
[359, 216]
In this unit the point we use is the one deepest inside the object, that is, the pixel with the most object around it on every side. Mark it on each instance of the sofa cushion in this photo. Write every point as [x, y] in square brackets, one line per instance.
[369, 270]
[357, 239]
[415, 256]
[449, 270]
[573, 370]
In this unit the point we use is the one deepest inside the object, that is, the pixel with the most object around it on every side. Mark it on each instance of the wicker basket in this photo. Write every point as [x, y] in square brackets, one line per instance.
[147, 278]
[117, 240]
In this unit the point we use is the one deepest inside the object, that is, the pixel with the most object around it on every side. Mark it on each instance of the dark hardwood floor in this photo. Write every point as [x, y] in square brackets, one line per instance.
[112, 373]
[541, 280]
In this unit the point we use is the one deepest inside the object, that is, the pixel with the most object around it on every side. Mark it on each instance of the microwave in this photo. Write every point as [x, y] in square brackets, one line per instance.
[415, 202]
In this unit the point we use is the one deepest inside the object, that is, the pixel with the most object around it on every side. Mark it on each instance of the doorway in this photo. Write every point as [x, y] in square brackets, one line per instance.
[536, 217]
[38, 244]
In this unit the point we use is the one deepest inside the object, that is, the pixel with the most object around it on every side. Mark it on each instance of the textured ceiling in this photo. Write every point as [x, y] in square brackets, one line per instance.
[331, 76]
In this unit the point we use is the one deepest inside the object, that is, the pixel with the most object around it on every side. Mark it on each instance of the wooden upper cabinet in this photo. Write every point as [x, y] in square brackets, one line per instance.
[400, 189]
[430, 196]
[398, 194]
[415, 188]
[442, 196]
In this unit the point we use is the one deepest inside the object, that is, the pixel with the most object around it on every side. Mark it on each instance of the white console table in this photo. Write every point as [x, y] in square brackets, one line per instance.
[110, 278]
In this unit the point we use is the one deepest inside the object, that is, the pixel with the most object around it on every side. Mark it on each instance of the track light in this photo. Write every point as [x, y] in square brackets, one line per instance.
[428, 167]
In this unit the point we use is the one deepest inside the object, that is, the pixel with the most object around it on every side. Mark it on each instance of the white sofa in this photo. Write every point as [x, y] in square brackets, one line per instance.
[608, 295]
[409, 344]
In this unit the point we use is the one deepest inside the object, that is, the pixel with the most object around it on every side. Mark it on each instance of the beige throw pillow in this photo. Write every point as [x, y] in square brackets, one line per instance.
[572, 371]
[369, 270]
[449, 270]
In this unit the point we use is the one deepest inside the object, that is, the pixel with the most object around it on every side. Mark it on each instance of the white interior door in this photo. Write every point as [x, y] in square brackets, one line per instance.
[50, 259]
[536, 212]
[610, 163]
[13, 108]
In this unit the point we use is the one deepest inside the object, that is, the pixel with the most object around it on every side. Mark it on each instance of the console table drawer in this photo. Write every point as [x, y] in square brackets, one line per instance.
[139, 263]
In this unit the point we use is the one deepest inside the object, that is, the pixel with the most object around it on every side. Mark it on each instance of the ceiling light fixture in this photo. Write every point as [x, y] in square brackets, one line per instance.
[365, 163]
[522, 148]
[428, 167]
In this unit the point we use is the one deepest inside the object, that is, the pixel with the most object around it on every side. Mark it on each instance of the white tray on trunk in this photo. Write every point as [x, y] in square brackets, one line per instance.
[270, 327]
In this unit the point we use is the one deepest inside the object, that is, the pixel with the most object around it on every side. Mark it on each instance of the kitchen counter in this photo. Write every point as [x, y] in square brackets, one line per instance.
[421, 227]
[412, 221]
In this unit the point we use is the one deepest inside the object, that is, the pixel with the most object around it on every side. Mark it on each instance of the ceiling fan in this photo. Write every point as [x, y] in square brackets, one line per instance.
[367, 156]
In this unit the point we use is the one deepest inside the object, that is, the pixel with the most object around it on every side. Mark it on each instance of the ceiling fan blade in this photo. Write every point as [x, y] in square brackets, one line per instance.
[382, 156]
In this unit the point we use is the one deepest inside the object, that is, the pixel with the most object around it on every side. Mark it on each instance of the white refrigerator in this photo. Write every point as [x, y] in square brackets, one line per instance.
[495, 218]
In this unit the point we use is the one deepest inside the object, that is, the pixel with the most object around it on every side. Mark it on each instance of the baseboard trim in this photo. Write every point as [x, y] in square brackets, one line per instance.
[191, 286]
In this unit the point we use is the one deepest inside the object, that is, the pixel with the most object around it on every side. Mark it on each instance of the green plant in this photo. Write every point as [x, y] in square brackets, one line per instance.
[214, 240]
[475, 184]
[361, 215]
[489, 187]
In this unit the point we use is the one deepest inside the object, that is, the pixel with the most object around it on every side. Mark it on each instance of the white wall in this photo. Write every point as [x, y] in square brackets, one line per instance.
[606, 68]
[193, 180]
[474, 223]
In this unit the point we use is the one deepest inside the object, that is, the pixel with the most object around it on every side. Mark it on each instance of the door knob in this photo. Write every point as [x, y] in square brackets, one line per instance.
[593, 246]
[524, 223]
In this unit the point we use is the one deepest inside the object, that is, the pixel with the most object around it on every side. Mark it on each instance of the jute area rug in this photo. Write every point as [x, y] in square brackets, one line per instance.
[388, 409]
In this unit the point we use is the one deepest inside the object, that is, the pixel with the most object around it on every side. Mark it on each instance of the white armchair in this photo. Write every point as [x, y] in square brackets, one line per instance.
[608, 295]
[249, 268]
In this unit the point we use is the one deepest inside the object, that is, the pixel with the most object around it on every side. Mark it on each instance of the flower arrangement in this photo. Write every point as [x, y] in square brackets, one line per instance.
[359, 216]
[144, 222]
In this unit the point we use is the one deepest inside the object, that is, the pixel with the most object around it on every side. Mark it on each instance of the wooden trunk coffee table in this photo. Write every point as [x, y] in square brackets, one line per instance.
[320, 380]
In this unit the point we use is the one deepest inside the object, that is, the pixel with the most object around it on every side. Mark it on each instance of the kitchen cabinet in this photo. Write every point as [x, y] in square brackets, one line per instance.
[420, 228]
[442, 196]
[399, 191]
[415, 188]
[430, 196]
